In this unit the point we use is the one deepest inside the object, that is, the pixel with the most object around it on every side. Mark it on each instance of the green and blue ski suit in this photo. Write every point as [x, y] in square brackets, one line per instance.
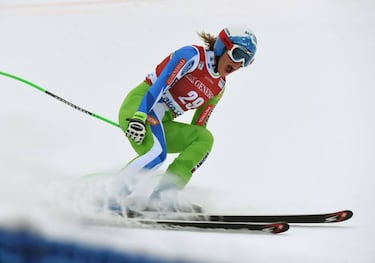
[185, 80]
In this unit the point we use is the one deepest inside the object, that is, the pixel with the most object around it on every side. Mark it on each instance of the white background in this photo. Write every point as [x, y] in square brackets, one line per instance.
[294, 132]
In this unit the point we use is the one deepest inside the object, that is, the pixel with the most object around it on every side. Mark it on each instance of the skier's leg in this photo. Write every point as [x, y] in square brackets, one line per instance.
[153, 145]
[152, 152]
[128, 108]
[193, 142]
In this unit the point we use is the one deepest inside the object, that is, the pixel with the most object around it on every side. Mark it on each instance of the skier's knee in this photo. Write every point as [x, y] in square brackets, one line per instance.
[205, 136]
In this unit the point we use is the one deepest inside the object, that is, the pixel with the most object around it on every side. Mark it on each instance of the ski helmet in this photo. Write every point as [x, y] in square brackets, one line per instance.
[241, 36]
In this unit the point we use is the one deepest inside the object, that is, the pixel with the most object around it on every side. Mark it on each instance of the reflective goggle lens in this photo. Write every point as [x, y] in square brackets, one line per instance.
[240, 54]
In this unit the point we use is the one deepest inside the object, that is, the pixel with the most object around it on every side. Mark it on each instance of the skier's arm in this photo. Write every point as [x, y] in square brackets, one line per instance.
[181, 62]
[202, 114]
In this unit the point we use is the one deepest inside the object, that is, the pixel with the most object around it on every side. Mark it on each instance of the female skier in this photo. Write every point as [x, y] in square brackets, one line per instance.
[191, 78]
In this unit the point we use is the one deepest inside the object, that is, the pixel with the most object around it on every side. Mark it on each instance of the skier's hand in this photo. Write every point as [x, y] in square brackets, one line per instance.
[136, 130]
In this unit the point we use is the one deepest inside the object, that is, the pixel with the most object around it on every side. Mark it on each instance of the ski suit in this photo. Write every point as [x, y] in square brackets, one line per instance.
[184, 80]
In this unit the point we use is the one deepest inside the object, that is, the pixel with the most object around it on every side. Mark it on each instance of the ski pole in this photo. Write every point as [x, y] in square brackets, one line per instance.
[59, 98]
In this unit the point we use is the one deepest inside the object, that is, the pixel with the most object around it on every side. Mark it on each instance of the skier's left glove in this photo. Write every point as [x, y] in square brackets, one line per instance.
[137, 127]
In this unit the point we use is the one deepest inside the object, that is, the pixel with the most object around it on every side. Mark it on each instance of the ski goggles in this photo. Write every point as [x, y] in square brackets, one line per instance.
[238, 53]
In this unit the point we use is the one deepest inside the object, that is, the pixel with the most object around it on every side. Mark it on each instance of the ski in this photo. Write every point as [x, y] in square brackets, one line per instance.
[296, 218]
[237, 218]
[274, 228]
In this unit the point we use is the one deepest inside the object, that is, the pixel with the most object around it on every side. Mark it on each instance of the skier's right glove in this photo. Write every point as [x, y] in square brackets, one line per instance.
[136, 130]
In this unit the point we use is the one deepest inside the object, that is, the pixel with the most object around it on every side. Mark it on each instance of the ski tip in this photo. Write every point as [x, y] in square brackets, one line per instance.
[339, 216]
[344, 215]
[276, 228]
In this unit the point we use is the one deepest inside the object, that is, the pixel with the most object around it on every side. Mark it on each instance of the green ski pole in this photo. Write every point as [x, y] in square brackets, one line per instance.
[59, 98]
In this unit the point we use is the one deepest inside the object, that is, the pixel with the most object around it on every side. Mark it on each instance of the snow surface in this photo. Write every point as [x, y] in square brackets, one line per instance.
[304, 114]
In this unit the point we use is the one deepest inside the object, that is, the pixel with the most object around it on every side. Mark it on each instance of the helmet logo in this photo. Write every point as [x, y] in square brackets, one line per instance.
[254, 39]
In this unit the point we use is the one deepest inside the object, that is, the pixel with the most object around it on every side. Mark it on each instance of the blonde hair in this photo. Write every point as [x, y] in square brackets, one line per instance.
[208, 39]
